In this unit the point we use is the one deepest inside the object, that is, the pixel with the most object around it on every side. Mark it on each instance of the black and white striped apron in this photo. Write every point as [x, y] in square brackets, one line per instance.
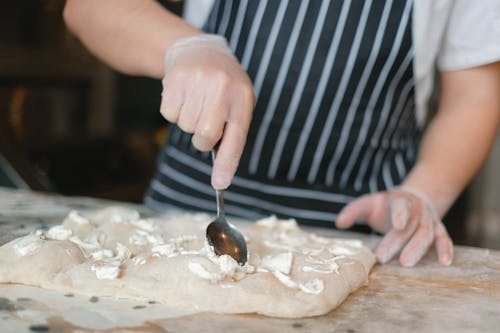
[334, 115]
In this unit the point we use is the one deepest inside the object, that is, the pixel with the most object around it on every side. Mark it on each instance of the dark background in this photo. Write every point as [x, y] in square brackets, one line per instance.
[68, 123]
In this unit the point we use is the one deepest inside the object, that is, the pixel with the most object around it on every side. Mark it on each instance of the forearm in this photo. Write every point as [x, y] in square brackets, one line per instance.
[129, 35]
[460, 137]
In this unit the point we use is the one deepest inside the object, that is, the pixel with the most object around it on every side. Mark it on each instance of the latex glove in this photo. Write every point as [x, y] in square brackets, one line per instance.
[207, 93]
[408, 219]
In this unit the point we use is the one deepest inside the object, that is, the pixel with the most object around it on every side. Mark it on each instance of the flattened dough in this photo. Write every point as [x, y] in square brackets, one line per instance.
[290, 273]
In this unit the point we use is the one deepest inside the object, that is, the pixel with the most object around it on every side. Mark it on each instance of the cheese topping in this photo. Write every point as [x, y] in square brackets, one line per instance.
[173, 246]
[106, 271]
[283, 236]
[110, 268]
[139, 260]
[143, 237]
[320, 265]
[28, 244]
[59, 232]
[286, 280]
[146, 225]
[315, 286]
[77, 218]
[199, 270]
[226, 265]
[281, 262]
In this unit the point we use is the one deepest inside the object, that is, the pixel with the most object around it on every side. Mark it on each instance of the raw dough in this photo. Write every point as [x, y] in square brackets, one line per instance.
[290, 273]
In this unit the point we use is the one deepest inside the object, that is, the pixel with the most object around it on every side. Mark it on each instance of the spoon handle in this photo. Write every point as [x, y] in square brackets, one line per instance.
[220, 195]
[220, 203]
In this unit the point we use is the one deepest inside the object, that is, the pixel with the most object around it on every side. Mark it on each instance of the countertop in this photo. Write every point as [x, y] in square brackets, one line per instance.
[427, 298]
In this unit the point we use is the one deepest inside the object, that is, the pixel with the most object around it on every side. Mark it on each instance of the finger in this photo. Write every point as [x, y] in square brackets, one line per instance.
[228, 155]
[400, 207]
[211, 121]
[172, 99]
[444, 245]
[234, 136]
[191, 109]
[357, 210]
[369, 208]
[420, 242]
[209, 130]
[394, 241]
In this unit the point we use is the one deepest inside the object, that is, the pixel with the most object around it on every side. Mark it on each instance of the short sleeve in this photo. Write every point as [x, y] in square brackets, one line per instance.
[472, 36]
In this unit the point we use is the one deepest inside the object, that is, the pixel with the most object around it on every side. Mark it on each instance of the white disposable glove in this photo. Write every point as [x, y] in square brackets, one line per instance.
[408, 219]
[207, 93]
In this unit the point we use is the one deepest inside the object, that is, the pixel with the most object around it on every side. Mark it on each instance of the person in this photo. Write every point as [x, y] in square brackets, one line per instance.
[317, 109]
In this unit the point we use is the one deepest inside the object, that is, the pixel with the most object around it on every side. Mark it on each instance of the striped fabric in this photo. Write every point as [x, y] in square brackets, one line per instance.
[334, 115]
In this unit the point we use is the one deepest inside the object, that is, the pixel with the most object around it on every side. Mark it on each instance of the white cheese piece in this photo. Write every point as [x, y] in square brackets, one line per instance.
[109, 268]
[227, 265]
[121, 215]
[101, 254]
[59, 232]
[143, 224]
[332, 268]
[87, 247]
[342, 250]
[312, 251]
[315, 286]
[165, 249]
[286, 280]
[122, 252]
[143, 237]
[106, 270]
[139, 260]
[77, 218]
[174, 246]
[280, 262]
[289, 225]
[199, 270]
[319, 239]
[268, 222]
[28, 244]
[318, 265]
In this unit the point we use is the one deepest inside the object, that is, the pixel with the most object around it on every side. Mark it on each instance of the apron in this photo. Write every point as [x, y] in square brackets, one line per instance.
[334, 116]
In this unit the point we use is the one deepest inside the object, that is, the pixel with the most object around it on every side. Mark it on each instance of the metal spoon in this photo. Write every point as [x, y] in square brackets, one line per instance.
[223, 236]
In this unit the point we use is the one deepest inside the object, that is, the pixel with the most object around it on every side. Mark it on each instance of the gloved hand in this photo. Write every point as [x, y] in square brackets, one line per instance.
[207, 93]
[409, 220]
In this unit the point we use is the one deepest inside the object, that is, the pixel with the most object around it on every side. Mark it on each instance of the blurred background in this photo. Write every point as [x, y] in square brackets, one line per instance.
[71, 125]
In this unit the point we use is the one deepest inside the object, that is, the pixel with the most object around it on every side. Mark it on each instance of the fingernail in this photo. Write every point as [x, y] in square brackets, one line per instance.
[408, 262]
[382, 258]
[445, 260]
[221, 181]
[338, 221]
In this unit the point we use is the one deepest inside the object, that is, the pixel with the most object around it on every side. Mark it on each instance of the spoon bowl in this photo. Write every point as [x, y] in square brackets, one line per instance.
[226, 239]
[223, 236]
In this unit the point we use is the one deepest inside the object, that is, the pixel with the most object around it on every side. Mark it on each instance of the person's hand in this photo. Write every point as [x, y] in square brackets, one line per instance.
[408, 219]
[207, 93]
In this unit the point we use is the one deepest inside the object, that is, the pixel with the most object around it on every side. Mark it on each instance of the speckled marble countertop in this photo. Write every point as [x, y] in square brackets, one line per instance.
[22, 211]
[428, 298]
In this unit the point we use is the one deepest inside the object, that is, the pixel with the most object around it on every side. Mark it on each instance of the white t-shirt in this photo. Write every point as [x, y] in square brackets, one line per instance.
[447, 35]
[452, 35]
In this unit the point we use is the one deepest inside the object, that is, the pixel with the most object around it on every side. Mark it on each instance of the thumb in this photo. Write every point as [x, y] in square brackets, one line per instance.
[359, 209]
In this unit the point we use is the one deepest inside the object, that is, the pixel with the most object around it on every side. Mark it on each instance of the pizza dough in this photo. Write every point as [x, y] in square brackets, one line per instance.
[290, 273]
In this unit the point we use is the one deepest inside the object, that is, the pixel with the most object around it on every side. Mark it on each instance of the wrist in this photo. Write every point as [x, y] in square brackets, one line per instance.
[440, 193]
[181, 45]
[424, 197]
